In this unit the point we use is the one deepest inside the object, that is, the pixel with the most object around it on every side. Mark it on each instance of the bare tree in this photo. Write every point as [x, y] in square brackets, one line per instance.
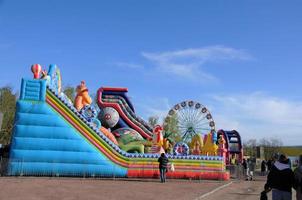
[271, 146]
[69, 92]
[171, 129]
[249, 147]
[153, 121]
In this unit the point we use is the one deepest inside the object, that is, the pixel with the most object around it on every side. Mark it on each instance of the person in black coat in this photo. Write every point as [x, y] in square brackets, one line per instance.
[163, 167]
[244, 166]
[269, 164]
[280, 180]
[263, 167]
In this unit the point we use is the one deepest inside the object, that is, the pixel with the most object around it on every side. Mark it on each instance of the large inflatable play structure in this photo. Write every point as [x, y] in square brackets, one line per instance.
[55, 135]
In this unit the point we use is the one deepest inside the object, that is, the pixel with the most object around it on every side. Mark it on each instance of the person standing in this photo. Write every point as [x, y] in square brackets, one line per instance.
[269, 164]
[280, 179]
[247, 169]
[298, 179]
[251, 168]
[263, 167]
[244, 166]
[163, 164]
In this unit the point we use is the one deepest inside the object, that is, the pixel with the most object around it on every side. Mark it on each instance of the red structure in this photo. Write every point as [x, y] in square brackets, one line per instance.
[232, 146]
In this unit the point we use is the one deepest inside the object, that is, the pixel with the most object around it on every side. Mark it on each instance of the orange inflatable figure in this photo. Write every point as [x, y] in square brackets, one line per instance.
[108, 135]
[82, 98]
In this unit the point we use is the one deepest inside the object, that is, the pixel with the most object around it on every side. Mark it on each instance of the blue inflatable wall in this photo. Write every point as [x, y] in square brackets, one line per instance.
[43, 143]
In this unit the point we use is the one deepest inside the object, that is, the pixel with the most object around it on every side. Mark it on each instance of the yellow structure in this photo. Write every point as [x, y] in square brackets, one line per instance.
[209, 147]
[196, 144]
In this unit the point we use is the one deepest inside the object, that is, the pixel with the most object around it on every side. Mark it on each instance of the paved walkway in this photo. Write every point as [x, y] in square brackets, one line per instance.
[45, 188]
[241, 190]
[35, 188]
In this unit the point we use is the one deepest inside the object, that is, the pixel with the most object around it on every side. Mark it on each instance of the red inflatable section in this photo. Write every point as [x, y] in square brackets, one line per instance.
[119, 109]
[180, 174]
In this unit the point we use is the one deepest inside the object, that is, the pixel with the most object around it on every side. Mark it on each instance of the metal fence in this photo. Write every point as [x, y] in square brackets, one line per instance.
[237, 171]
[21, 170]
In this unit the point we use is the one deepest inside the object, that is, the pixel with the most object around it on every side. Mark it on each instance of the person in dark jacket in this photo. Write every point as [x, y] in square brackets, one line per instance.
[263, 167]
[280, 179]
[269, 164]
[244, 166]
[298, 179]
[163, 164]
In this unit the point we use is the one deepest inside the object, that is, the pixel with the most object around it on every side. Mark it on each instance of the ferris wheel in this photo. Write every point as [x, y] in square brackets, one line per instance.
[191, 118]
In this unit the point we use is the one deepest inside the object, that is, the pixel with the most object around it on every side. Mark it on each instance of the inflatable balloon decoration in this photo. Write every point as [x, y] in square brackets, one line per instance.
[109, 117]
[36, 70]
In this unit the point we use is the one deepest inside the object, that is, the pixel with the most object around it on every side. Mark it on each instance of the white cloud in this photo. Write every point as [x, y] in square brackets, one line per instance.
[258, 115]
[128, 65]
[155, 106]
[254, 115]
[188, 63]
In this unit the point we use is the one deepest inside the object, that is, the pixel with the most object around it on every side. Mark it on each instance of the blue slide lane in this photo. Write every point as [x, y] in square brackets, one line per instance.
[44, 143]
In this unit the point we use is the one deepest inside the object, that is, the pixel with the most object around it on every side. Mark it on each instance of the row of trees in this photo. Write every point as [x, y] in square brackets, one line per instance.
[269, 146]
[171, 130]
[8, 100]
[7, 108]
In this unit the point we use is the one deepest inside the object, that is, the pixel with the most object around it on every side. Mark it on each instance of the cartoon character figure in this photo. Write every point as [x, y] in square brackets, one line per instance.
[221, 146]
[196, 144]
[45, 76]
[157, 140]
[82, 98]
[196, 148]
[221, 142]
[157, 135]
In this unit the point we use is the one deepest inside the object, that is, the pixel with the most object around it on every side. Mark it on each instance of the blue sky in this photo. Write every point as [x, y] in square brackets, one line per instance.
[242, 59]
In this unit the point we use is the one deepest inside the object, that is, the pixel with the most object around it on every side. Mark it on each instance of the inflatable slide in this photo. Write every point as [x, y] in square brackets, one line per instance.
[51, 137]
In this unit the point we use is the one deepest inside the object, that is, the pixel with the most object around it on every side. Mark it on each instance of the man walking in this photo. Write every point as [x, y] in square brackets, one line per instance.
[280, 179]
[163, 164]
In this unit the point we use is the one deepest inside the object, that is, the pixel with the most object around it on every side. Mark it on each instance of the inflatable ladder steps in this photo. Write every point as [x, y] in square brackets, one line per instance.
[33, 90]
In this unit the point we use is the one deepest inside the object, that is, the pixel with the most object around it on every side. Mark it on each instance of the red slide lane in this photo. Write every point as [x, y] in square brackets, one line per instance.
[119, 109]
